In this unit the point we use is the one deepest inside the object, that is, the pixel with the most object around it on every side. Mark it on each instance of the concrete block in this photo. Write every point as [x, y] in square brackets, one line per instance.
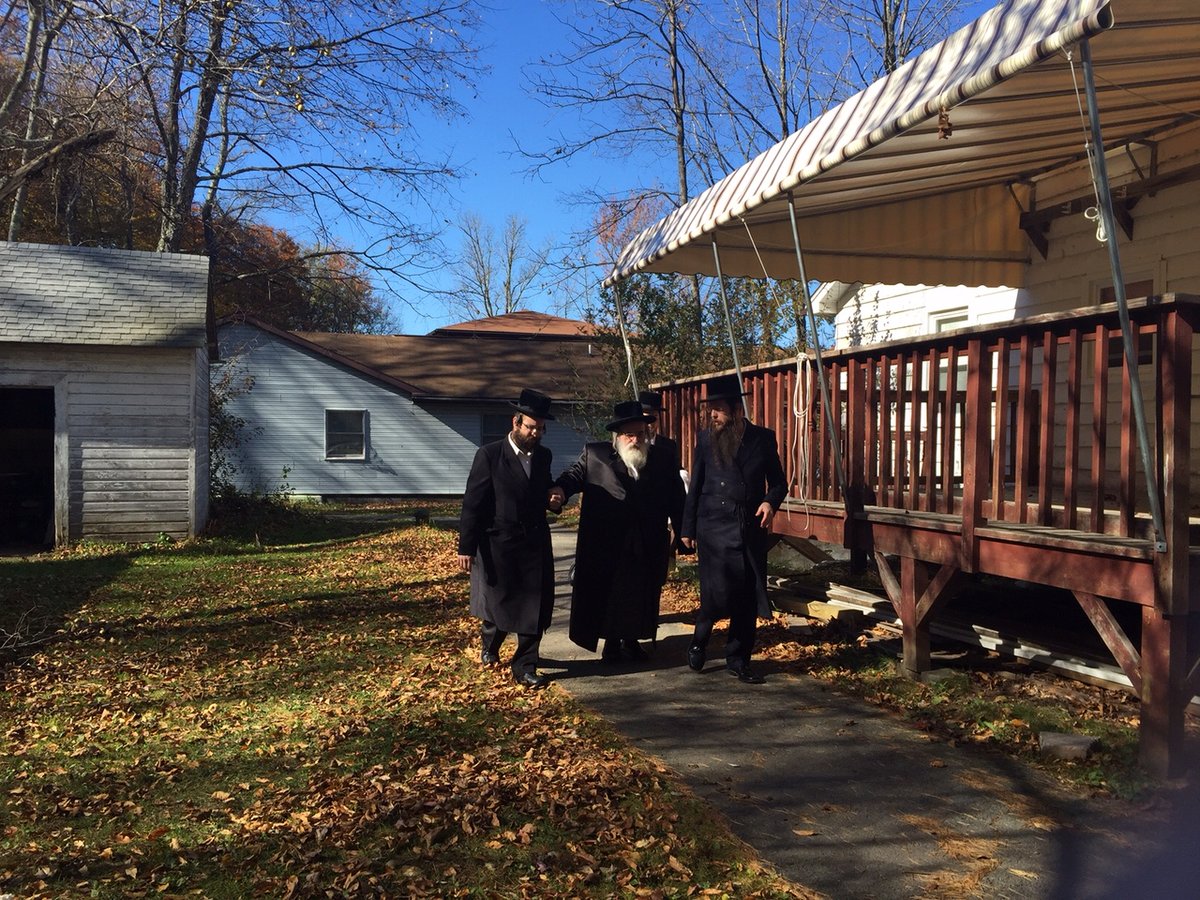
[935, 676]
[1066, 746]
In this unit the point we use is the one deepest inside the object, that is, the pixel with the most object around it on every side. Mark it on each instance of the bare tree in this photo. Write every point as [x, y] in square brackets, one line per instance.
[303, 106]
[495, 273]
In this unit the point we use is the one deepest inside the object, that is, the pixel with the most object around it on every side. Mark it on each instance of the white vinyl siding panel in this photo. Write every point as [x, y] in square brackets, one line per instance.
[131, 424]
[412, 448]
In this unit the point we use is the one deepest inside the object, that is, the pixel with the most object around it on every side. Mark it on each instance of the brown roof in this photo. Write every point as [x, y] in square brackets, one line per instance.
[525, 322]
[468, 367]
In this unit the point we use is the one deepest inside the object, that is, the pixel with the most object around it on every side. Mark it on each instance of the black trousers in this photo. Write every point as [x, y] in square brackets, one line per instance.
[743, 626]
[526, 657]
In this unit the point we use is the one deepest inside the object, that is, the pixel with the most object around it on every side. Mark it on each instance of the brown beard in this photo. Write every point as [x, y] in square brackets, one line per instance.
[524, 440]
[725, 443]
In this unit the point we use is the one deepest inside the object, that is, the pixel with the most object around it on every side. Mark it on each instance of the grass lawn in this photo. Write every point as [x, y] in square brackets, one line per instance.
[294, 708]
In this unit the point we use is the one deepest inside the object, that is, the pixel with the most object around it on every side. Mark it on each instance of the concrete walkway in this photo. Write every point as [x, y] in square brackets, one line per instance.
[850, 801]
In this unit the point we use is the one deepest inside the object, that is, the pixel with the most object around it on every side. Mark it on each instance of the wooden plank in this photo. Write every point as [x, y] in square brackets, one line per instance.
[976, 421]
[829, 460]
[914, 433]
[891, 585]
[1095, 571]
[1125, 488]
[929, 442]
[1071, 450]
[1114, 637]
[1174, 596]
[1084, 541]
[1099, 422]
[885, 496]
[871, 414]
[804, 547]
[1000, 442]
[949, 413]
[1046, 428]
[1164, 656]
[1026, 410]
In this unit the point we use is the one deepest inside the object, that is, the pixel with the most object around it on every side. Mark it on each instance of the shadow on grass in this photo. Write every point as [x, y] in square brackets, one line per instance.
[40, 593]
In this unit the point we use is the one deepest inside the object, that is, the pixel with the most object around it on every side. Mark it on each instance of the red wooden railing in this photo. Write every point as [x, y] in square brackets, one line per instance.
[1026, 423]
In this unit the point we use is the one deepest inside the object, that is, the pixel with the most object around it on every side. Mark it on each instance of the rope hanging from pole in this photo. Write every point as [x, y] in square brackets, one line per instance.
[822, 378]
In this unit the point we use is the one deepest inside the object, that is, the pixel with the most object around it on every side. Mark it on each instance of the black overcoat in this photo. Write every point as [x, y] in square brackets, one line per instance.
[720, 517]
[624, 545]
[503, 526]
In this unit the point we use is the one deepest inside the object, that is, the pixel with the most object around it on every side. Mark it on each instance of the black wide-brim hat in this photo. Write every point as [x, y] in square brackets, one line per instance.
[724, 387]
[534, 404]
[650, 400]
[628, 411]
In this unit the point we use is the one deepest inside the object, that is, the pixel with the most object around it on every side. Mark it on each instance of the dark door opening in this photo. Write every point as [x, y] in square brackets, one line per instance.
[26, 467]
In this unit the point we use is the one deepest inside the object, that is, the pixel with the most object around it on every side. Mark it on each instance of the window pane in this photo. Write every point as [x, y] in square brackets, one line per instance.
[345, 434]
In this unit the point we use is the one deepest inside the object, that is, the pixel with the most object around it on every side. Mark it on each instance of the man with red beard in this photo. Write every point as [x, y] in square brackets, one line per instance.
[504, 541]
[737, 483]
[623, 545]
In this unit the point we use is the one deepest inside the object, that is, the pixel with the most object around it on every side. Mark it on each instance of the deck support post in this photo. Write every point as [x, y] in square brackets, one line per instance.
[916, 596]
[1164, 694]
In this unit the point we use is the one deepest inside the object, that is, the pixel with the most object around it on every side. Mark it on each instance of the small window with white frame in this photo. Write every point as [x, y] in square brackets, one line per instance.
[345, 434]
[949, 319]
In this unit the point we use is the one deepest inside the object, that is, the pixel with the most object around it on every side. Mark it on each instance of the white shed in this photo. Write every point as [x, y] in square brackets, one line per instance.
[103, 394]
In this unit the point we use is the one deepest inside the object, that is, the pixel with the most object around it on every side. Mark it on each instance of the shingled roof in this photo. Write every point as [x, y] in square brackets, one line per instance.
[447, 365]
[87, 295]
[524, 322]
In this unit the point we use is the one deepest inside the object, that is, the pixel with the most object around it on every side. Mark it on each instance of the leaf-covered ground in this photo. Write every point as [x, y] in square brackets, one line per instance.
[297, 710]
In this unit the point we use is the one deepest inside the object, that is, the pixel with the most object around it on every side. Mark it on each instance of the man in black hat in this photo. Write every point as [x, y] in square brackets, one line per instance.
[504, 541]
[623, 544]
[737, 483]
[660, 445]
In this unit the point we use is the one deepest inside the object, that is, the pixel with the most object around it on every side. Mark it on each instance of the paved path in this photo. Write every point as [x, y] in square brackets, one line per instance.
[848, 800]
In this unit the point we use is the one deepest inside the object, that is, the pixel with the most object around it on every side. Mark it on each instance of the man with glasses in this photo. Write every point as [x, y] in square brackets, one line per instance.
[623, 545]
[504, 541]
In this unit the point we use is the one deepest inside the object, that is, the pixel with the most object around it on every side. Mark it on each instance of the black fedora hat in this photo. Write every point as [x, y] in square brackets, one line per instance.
[534, 404]
[650, 400]
[628, 411]
[724, 387]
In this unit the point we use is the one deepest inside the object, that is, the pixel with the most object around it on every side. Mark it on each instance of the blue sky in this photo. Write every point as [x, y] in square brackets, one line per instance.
[494, 185]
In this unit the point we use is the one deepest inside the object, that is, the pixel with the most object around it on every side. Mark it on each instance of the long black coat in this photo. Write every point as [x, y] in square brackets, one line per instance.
[719, 516]
[503, 526]
[623, 547]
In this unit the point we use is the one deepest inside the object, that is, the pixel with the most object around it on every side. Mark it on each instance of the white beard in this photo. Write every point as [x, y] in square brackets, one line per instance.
[634, 458]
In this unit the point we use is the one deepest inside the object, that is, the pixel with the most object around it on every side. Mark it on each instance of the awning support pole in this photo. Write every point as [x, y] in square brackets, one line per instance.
[822, 379]
[625, 339]
[729, 324]
[1100, 171]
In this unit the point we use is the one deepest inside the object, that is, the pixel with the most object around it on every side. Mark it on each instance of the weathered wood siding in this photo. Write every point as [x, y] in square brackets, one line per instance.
[413, 448]
[130, 418]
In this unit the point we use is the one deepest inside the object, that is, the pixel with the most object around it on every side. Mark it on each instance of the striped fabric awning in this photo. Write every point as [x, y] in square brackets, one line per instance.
[881, 198]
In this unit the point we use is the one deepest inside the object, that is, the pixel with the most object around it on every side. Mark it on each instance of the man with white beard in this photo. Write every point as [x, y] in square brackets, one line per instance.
[624, 541]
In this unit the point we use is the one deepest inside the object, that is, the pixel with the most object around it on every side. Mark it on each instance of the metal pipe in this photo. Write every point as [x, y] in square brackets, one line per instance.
[822, 379]
[737, 366]
[1100, 173]
[625, 339]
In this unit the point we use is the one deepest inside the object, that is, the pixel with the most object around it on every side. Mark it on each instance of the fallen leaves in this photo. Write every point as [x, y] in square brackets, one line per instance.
[311, 721]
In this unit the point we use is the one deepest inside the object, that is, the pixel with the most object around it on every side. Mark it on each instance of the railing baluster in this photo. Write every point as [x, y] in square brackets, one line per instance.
[1099, 425]
[949, 416]
[1001, 442]
[914, 435]
[1045, 493]
[1071, 450]
[1026, 409]
[870, 410]
[885, 497]
[1128, 469]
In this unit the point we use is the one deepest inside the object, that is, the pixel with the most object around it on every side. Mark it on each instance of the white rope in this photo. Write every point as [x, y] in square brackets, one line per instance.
[799, 447]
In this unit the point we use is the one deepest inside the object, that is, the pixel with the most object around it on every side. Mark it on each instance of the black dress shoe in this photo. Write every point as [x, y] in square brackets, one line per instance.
[635, 651]
[488, 658]
[611, 652]
[696, 657]
[745, 675]
[532, 680]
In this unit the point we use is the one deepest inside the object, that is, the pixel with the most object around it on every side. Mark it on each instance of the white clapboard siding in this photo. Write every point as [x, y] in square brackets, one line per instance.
[131, 423]
[422, 448]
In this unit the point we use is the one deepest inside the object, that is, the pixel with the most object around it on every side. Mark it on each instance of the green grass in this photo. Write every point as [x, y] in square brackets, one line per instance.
[292, 707]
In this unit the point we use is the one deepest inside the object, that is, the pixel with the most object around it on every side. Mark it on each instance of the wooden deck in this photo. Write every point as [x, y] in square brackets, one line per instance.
[1007, 451]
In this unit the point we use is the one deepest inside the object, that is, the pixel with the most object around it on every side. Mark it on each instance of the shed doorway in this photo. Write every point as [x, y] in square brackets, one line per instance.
[26, 468]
